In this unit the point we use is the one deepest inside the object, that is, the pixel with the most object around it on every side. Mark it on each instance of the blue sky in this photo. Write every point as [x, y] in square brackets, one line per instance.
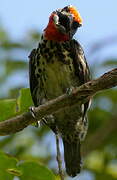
[99, 17]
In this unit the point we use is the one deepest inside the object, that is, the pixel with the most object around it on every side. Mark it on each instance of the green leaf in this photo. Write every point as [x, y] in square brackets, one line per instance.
[24, 100]
[7, 108]
[34, 171]
[6, 163]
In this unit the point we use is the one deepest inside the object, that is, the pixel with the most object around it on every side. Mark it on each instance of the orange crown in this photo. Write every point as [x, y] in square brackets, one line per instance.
[76, 14]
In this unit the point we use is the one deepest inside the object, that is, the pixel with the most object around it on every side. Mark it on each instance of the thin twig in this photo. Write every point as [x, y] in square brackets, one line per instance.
[58, 157]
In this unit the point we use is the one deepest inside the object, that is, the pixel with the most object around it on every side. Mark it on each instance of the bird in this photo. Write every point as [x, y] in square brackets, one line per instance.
[56, 65]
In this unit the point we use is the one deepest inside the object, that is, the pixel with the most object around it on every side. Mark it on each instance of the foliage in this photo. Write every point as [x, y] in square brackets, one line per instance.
[11, 167]
[28, 149]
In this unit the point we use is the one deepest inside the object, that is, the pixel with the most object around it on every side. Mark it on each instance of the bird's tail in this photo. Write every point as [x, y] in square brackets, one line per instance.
[72, 157]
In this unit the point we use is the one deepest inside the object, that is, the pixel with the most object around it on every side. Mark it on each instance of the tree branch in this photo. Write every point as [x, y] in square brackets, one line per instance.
[79, 95]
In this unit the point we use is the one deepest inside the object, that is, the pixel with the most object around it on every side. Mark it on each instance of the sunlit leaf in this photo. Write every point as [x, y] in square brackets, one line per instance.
[7, 162]
[7, 108]
[24, 100]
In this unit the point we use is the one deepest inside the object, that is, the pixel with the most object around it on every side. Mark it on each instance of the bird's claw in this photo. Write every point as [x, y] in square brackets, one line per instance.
[32, 108]
[32, 111]
[44, 120]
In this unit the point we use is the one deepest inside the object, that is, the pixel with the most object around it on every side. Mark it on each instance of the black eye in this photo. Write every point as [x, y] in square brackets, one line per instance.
[75, 25]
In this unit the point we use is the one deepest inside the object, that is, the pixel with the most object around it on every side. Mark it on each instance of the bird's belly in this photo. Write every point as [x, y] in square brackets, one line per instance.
[59, 78]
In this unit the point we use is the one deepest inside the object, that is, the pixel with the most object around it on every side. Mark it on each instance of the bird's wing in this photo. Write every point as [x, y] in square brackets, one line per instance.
[32, 77]
[79, 61]
[80, 66]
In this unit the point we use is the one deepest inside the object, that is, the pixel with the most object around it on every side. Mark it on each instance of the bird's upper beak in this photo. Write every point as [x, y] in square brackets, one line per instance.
[63, 22]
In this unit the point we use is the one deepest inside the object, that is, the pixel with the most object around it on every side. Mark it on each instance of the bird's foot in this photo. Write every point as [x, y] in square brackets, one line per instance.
[44, 120]
[32, 111]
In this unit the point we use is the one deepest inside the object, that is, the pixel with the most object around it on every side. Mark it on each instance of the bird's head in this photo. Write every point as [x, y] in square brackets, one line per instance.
[63, 24]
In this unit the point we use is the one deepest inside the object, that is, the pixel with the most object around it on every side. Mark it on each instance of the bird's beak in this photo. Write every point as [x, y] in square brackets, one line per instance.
[63, 22]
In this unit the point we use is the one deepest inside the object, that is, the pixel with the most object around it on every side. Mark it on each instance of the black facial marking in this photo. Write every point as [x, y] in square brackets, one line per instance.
[64, 21]
[65, 9]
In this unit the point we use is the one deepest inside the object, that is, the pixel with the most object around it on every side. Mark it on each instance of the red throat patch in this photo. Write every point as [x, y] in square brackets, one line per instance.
[51, 32]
